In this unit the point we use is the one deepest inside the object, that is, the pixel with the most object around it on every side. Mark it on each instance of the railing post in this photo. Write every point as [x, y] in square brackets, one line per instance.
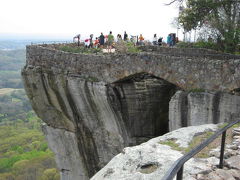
[222, 149]
[180, 173]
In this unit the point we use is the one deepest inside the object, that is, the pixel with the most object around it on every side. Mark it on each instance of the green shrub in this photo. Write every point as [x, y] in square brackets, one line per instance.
[206, 45]
[199, 44]
[184, 45]
[132, 48]
[50, 174]
[126, 47]
[80, 49]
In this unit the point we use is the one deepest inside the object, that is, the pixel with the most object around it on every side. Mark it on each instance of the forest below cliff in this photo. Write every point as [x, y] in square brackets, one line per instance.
[24, 153]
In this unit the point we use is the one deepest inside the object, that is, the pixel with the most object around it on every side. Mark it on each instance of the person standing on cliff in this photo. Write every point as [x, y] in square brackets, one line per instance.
[160, 41]
[119, 38]
[125, 37]
[91, 41]
[169, 40]
[96, 43]
[110, 41]
[101, 40]
[154, 39]
[141, 39]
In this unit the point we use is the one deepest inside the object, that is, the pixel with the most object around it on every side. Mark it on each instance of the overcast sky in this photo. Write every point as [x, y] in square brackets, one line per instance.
[70, 17]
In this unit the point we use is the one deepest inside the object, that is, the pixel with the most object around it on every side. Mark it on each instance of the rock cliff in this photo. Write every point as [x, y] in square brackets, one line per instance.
[197, 108]
[95, 105]
[87, 123]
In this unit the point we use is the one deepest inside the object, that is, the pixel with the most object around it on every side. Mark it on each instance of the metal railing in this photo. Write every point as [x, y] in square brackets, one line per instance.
[177, 167]
[50, 42]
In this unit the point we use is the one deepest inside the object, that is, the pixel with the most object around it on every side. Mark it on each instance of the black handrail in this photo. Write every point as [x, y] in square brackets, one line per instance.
[177, 167]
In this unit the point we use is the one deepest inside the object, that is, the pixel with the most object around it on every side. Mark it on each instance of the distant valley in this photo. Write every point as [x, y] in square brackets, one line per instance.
[24, 152]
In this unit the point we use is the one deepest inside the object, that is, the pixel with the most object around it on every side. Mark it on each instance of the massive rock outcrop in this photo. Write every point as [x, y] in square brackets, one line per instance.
[152, 159]
[87, 123]
[95, 105]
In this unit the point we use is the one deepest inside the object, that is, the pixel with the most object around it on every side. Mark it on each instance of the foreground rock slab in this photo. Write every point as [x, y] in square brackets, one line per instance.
[151, 160]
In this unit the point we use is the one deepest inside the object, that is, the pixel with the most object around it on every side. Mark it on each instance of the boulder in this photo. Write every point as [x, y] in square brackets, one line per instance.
[152, 159]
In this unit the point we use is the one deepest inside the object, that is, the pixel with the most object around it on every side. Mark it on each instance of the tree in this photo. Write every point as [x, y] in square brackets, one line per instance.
[50, 174]
[223, 16]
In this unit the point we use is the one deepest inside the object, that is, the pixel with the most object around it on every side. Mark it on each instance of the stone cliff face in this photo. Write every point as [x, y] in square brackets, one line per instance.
[197, 108]
[142, 102]
[87, 123]
[95, 105]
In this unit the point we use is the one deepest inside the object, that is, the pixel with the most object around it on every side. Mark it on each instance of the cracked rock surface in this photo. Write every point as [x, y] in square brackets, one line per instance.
[231, 169]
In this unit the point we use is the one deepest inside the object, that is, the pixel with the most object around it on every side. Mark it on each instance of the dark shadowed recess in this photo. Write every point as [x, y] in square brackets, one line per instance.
[142, 102]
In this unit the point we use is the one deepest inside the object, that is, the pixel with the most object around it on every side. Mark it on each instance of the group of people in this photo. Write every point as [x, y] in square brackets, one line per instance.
[157, 41]
[109, 40]
[172, 40]
[100, 41]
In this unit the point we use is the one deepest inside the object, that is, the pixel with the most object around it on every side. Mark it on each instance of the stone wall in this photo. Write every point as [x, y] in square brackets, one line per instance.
[186, 72]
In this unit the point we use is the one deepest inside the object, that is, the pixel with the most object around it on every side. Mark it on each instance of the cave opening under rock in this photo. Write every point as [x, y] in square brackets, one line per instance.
[142, 102]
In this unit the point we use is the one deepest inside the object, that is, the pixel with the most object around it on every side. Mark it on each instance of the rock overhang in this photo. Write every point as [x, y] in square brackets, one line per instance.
[72, 94]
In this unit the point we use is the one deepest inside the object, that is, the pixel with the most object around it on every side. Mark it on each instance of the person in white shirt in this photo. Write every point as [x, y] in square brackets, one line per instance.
[155, 39]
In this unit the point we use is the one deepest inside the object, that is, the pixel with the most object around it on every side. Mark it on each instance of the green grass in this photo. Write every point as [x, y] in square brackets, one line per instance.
[197, 140]
[236, 125]
[92, 79]
[222, 125]
[80, 49]
[172, 143]
[126, 47]
[132, 49]
[199, 44]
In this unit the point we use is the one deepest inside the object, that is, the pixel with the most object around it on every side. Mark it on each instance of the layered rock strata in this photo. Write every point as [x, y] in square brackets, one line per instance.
[197, 108]
[88, 123]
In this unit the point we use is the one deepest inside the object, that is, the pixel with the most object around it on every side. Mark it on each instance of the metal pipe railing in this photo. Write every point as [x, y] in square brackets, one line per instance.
[177, 167]
[50, 42]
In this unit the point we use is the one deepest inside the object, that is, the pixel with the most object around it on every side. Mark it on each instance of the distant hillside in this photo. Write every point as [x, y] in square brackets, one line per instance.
[24, 153]
[12, 45]
[12, 60]
[11, 63]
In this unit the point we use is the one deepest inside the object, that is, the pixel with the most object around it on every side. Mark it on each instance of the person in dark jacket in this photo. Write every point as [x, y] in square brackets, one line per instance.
[160, 41]
[125, 37]
[101, 40]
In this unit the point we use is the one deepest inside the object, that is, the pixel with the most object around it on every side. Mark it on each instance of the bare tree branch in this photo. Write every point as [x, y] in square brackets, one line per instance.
[173, 1]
